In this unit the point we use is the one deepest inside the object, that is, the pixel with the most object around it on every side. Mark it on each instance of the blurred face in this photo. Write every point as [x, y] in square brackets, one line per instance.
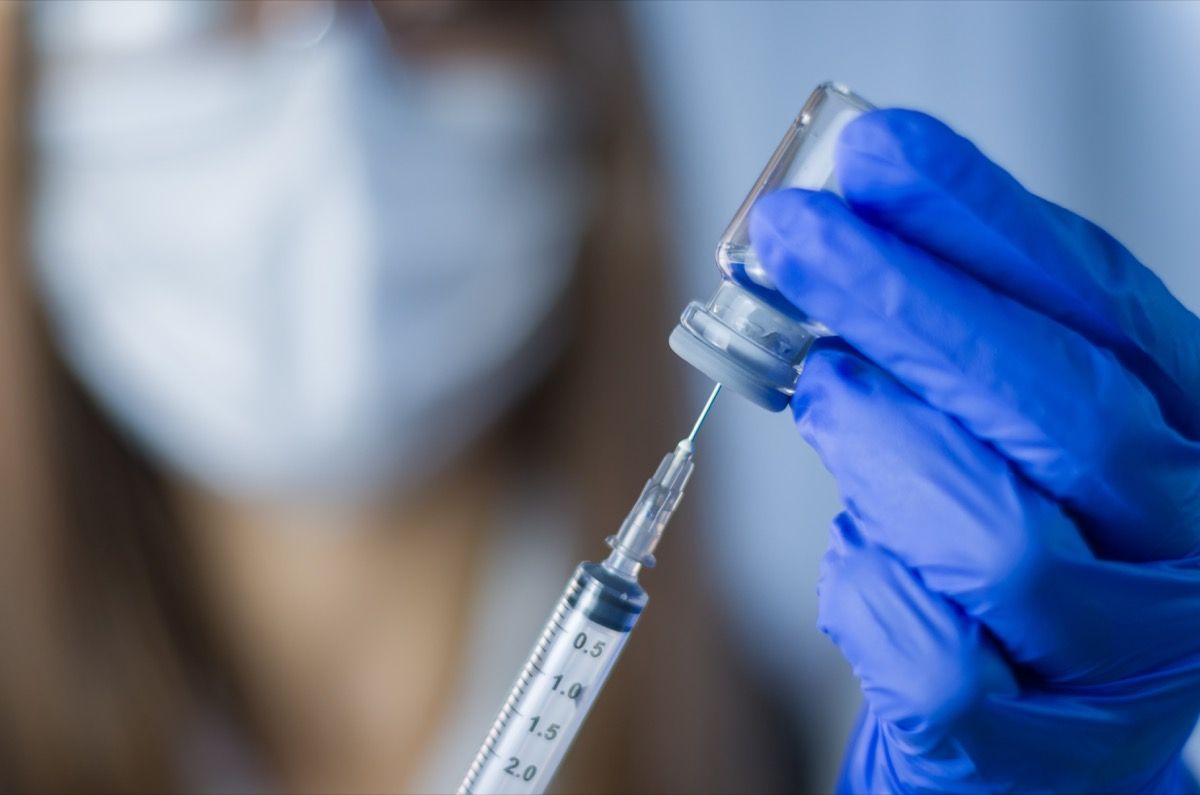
[287, 261]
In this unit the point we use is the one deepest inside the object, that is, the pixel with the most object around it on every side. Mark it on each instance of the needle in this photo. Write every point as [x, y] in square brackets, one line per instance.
[691, 437]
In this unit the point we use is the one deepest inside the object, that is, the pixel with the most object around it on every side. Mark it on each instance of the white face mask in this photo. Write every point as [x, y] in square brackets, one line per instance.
[294, 271]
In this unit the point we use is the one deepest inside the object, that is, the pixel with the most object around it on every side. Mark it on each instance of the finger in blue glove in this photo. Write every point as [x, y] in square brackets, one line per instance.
[1065, 412]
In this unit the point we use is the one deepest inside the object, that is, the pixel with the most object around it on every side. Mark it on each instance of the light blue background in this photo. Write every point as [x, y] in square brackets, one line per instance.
[1093, 105]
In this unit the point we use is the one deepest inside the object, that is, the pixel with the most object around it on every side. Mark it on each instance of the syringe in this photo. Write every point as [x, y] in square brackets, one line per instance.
[579, 644]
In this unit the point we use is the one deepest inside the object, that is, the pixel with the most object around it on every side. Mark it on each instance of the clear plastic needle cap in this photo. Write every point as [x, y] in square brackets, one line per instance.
[633, 545]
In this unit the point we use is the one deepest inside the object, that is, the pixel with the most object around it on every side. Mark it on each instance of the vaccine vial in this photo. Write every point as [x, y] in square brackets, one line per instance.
[748, 337]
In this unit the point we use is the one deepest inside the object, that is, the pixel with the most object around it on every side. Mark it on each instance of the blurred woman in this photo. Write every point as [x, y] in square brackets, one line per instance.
[329, 333]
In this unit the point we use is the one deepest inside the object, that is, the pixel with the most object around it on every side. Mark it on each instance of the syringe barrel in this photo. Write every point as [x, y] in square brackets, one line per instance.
[581, 641]
[558, 685]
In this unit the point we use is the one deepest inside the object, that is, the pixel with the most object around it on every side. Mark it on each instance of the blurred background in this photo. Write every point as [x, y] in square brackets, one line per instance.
[335, 335]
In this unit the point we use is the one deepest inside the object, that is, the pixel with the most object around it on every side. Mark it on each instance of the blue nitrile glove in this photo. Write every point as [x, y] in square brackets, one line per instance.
[1012, 417]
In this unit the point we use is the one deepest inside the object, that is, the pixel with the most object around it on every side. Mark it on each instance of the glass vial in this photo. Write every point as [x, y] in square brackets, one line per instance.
[748, 337]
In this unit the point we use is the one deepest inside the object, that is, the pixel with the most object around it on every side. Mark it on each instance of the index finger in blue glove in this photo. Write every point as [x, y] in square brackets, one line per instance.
[1065, 412]
[911, 174]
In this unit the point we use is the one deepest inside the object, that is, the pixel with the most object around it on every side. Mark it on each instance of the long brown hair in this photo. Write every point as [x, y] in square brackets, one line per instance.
[105, 646]
[96, 624]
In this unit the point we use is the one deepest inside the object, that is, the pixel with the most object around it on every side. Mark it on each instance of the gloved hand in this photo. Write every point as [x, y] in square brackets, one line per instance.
[1012, 415]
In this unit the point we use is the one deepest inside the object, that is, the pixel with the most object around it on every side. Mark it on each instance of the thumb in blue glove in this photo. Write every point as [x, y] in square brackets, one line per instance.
[1011, 415]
